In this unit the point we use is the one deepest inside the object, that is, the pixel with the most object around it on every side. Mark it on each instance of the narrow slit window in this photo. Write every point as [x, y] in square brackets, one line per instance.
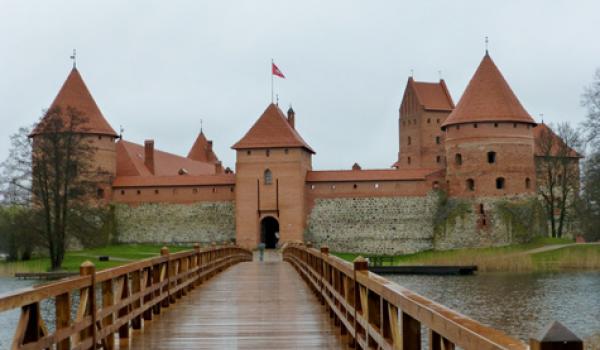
[268, 177]
[500, 183]
[470, 184]
[491, 157]
[458, 159]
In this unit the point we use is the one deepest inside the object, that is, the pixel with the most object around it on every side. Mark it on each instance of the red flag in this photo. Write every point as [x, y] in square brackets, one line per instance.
[275, 71]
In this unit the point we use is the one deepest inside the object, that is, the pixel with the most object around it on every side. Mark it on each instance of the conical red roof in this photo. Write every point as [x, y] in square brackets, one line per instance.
[488, 98]
[74, 93]
[202, 151]
[272, 130]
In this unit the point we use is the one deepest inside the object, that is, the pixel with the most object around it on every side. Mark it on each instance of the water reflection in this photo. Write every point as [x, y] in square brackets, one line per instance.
[518, 303]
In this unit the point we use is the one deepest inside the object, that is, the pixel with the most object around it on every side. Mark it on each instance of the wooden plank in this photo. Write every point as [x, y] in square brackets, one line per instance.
[250, 305]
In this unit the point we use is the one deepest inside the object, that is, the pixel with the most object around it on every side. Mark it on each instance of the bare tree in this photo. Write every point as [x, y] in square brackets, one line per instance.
[557, 165]
[51, 171]
[591, 100]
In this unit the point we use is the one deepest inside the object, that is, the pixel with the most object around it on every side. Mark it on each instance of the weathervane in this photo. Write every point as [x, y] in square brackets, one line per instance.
[440, 74]
[542, 117]
[486, 44]
[201, 121]
[277, 99]
[412, 73]
[121, 131]
[74, 58]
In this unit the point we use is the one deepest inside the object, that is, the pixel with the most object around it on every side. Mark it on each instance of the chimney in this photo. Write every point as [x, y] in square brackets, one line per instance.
[219, 167]
[149, 155]
[291, 117]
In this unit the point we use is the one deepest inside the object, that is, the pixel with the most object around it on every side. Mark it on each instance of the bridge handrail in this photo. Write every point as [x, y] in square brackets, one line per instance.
[378, 313]
[125, 295]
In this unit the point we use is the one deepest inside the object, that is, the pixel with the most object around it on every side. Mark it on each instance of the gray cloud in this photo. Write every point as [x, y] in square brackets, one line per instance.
[157, 68]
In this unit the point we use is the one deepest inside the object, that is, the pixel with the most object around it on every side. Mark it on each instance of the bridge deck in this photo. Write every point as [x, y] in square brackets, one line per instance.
[251, 305]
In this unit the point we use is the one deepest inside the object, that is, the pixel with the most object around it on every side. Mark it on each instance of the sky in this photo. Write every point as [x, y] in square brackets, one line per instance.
[157, 68]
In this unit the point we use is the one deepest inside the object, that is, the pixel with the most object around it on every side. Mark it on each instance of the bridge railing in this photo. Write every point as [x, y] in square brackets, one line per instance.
[113, 300]
[375, 313]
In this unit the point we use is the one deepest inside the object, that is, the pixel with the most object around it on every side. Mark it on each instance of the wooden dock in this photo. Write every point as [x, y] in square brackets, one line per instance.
[251, 305]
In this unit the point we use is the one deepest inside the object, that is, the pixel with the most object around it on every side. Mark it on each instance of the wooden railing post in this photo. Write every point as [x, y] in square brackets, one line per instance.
[164, 251]
[148, 297]
[556, 337]
[63, 318]
[361, 265]
[136, 287]
[197, 263]
[108, 300]
[87, 300]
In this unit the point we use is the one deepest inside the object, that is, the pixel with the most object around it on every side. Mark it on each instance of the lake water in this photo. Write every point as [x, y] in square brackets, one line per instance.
[520, 304]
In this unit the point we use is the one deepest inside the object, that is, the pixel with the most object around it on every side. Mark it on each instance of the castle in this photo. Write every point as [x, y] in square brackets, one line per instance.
[480, 152]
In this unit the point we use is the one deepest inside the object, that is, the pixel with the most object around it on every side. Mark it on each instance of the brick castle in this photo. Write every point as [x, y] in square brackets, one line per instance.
[480, 151]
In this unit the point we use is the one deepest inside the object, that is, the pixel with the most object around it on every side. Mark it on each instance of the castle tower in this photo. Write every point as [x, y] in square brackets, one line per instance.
[488, 139]
[75, 94]
[424, 107]
[272, 160]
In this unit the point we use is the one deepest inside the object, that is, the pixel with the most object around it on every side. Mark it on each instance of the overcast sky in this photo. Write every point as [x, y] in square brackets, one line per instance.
[157, 68]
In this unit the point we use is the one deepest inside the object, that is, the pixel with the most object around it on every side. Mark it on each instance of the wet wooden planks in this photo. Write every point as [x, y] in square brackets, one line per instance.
[251, 305]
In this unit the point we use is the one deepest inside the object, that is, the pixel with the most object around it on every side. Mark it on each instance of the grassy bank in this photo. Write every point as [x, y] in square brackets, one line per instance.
[119, 255]
[522, 257]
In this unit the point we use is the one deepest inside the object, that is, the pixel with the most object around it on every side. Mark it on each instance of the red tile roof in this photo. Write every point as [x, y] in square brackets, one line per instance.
[130, 162]
[180, 180]
[433, 96]
[74, 93]
[202, 150]
[488, 98]
[272, 130]
[368, 175]
[541, 130]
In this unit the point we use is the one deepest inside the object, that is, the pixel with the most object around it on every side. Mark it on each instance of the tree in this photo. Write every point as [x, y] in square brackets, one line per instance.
[557, 165]
[591, 100]
[51, 172]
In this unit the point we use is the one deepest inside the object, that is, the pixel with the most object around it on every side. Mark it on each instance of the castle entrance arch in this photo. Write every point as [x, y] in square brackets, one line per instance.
[269, 232]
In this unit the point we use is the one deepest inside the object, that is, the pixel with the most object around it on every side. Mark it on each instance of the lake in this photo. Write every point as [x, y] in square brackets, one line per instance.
[520, 304]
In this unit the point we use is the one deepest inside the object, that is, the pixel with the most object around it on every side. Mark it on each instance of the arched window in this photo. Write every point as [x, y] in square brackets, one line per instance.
[491, 157]
[437, 140]
[470, 184]
[438, 159]
[408, 160]
[500, 183]
[458, 159]
[268, 177]
[409, 140]
[527, 183]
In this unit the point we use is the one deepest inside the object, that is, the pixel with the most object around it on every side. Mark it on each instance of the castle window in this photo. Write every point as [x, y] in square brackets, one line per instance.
[268, 177]
[100, 193]
[437, 140]
[470, 184]
[428, 120]
[408, 160]
[527, 183]
[438, 121]
[99, 137]
[475, 125]
[230, 189]
[214, 189]
[155, 191]
[500, 183]
[438, 159]
[491, 157]
[139, 192]
[248, 152]
[355, 186]
[122, 192]
[409, 140]
[457, 127]
[458, 159]
[495, 125]
[286, 151]
[268, 152]
[514, 125]
[376, 185]
[481, 211]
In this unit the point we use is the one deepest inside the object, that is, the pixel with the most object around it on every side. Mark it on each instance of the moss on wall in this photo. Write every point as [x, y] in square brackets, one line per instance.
[523, 219]
[447, 211]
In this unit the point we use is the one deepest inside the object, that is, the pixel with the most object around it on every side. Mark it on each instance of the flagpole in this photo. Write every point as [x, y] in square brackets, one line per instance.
[271, 80]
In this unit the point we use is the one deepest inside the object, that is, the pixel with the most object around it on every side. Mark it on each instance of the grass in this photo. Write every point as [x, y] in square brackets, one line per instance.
[120, 254]
[509, 258]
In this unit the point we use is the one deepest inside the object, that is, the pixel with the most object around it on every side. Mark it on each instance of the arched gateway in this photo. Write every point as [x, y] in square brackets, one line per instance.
[269, 232]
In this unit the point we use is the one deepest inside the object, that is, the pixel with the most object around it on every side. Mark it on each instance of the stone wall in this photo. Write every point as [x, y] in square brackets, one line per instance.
[385, 225]
[487, 222]
[175, 223]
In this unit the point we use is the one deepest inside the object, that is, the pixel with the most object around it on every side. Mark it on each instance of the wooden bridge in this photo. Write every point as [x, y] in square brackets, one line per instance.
[218, 298]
